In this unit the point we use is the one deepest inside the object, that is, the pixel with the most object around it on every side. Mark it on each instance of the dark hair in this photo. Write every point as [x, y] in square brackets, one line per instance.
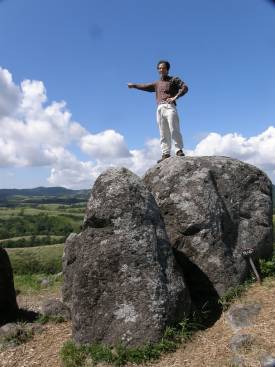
[167, 63]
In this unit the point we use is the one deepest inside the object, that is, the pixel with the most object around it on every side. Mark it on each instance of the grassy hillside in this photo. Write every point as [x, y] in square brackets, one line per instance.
[40, 195]
[39, 224]
[35, 260]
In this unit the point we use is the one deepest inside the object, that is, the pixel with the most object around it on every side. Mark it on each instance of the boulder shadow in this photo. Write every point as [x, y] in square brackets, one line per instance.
[25, 315]
[205, 299]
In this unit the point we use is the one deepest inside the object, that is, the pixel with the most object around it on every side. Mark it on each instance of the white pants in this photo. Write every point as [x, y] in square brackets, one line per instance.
[169, 128]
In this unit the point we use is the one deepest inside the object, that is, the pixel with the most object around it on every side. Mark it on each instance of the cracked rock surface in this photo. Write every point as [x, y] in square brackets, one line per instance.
[121, 279]
[213, 209]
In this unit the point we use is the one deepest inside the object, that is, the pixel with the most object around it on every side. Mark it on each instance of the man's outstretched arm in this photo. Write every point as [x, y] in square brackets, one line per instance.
[149, 87]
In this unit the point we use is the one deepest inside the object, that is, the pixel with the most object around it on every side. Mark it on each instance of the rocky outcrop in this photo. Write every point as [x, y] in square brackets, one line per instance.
[213, 209]
[8, 304]
[121, 279]
[55, 308]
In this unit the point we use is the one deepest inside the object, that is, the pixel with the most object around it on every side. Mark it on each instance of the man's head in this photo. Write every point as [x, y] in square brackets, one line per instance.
[163, 67]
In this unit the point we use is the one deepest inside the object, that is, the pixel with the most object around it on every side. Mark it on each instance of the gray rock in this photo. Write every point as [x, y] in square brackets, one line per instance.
[239, 341]
[242, 315]
[45, 283]
[8, 304]
[268, 361]
[9, 331]
[237, 361]
[54, 307]
[13, 334]
[68, 264]
[120, 275]
[213, 208]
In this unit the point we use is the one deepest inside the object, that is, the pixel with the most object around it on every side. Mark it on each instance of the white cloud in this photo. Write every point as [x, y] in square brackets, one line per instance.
[37, 133]
[107, 144]
[70, 172]
[257, 150]
[9, 94]
[32, 130]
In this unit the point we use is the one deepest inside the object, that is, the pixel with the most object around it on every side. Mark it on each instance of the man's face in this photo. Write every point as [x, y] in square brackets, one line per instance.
[162, 68]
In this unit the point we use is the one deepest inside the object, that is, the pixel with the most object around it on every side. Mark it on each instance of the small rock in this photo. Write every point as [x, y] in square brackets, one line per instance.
[54, 307]
[35, 328]
[268, 361]
[45, 283]
[237, 361]
[242, 315]
[240, 340]
[13, 334]
[9, 331]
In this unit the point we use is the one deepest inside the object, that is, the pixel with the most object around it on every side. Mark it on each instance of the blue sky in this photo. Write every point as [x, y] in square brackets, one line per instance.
[66, 113]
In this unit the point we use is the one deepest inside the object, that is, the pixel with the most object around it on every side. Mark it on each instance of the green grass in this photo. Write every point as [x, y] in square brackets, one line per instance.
[268, 266]
[19, 211]
[54, 237]
[49, 209]
[73, 355]
[42, 224]
[232, 294]
[34, 260]
[43, 319]
[31, 283]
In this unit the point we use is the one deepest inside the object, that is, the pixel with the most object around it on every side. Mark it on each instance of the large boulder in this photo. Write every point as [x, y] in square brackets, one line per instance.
[121, 279]
[213, 209]
[8, 304]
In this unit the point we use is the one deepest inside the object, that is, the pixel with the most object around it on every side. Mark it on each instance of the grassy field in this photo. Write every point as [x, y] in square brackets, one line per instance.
[36, 260]
[33, 264]
[49, 209]
[20, 223]
[28, 237]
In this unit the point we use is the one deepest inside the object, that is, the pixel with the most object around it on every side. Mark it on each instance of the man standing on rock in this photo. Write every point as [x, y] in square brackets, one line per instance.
[167, 89]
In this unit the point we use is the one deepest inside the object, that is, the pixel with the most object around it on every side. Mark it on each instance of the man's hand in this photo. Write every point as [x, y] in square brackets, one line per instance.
[171, 99]
[131, 85]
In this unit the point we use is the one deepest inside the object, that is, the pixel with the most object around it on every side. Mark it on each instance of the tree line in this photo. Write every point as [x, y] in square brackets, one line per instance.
[42, 224]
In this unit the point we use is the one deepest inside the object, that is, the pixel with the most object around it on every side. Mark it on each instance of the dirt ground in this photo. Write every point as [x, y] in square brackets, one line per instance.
[207, 348]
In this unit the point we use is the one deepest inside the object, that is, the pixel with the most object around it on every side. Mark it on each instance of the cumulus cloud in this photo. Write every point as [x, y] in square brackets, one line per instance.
[70, 172]
[32, 129]
[37, 133]
[9, 94]
[257, 150]
[107, 144]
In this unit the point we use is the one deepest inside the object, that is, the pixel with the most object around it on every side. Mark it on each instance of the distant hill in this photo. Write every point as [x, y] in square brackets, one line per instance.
[42, 195]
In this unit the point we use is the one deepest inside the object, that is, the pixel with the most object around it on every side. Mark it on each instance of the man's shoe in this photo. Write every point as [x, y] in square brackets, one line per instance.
[180, 153]
[164, 156]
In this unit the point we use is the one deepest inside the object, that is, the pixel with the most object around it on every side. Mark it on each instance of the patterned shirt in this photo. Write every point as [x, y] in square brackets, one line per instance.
[166, 87]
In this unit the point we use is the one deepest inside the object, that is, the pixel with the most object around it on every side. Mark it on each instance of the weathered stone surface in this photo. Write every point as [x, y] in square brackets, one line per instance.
[54, 307]
[8, 304]
[120, 275]
[213, 208]
[13, 334]
[237, 361]
[239, 341]
[268, 361]
[242, 315]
